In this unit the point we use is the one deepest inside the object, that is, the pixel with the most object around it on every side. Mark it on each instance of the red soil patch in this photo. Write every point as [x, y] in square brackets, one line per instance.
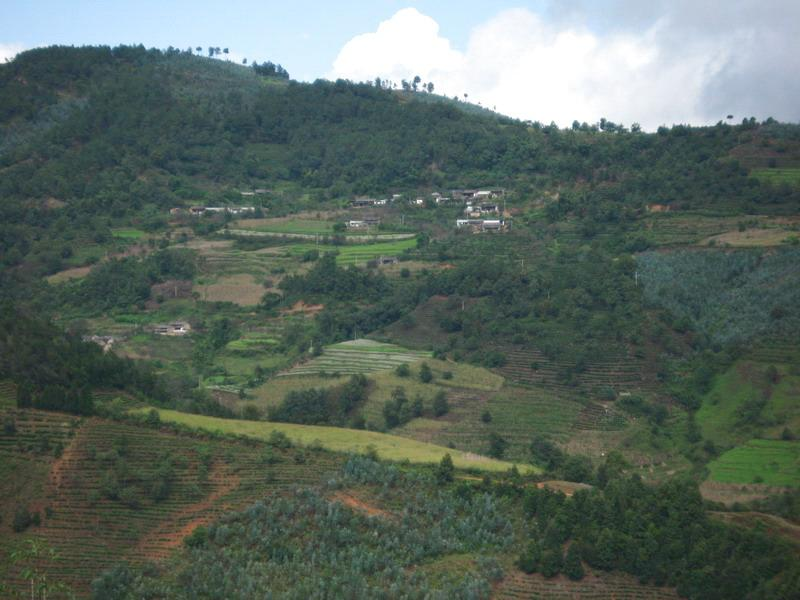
[302, 307]
[357, 504]
[157, 543]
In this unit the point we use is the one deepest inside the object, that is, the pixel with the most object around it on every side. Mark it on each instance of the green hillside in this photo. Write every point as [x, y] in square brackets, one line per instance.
[586, 400]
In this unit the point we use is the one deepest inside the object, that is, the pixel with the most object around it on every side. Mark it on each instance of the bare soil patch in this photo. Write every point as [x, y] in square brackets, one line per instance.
[241, 289]
[359, 505]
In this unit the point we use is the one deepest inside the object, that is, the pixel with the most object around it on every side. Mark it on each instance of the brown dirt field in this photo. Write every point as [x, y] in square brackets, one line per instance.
[359, 505]
[301, 307]
[729, 493]
[775, 526]
[199, 244]
[67, 274]
[568, 488]
[241, 289]
[751, 238]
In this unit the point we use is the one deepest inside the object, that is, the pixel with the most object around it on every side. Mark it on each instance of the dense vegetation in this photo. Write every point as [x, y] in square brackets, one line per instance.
[58, 371]
[616, 316]
[269, 548]
[660, 534]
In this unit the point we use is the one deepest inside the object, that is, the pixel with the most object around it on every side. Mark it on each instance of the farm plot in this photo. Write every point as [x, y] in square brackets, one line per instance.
[771, 462]
[357, 356]
[620, 372]
[518, 585]
[354, 254]
[777, 176]
[90, 530]
[339, 439]
[241, 289]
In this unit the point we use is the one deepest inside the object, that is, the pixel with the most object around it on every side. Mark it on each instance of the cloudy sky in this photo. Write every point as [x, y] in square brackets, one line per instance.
[653, 62]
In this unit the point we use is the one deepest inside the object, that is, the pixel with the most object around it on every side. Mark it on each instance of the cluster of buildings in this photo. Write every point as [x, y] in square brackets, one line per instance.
[176, 328]
[198, 211]
[482, 208]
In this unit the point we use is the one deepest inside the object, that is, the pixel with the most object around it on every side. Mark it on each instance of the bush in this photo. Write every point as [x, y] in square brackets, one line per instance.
[9, 425]
[425, 373]
[402, 370]
[497, 445]
[22, 519]
[440, 405]
[447, 375]
[486, 417]
[445, 470]
[278, 439]
[197, 538]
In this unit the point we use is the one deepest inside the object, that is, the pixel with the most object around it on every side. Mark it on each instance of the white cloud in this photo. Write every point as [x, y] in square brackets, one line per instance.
[9, 51]
[659, 72]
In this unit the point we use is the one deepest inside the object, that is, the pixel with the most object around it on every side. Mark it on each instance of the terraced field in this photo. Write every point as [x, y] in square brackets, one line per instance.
[355, 254]
[595, 586]
[90, 532]
[516, 413]
[338, 439]
[768, 462]
[357, 356]
[622, 373]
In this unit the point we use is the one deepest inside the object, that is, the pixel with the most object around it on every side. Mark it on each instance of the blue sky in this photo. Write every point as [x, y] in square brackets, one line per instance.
[303, 35]
[647, 61]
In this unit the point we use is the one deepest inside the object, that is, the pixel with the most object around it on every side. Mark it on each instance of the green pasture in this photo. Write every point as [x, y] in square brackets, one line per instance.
[128, 233]
[721, 415]
[389, 447]
[777, 176]
[769, 462]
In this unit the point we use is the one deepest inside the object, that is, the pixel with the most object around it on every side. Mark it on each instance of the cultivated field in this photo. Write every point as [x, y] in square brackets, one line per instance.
[90, 530]
[771, 462]
[357, 356]
[241, 289]
[777, 176]
[594, 586]
[389, 447]
[354, 254]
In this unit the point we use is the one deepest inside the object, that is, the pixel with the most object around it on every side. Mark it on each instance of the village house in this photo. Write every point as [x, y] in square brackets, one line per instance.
[176, 328]
[234, 210]
[478, 194]
[362, 202]
[479, 225]
[364, 223]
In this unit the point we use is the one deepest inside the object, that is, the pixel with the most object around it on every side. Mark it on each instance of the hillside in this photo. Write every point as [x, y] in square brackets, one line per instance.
[419, 346]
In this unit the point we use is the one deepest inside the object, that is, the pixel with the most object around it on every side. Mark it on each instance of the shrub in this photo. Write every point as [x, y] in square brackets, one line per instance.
[153, 418]
[197, 538]
[425, 373]
[278, 439]
[402, 370]
[22, 519]
[448, 375]
[9, 425]
[440, 405]
[497, 445]
[486, 417]
[445, 470]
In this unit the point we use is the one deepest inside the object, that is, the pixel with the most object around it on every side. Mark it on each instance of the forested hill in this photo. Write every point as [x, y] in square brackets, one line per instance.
[129, 132]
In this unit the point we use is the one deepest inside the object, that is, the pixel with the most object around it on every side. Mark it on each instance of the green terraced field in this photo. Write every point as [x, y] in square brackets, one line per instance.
[746, 382]
[352, 254]
[338, 439]
[777, 176]
[128, 233]
[771, 462]
[358, 356]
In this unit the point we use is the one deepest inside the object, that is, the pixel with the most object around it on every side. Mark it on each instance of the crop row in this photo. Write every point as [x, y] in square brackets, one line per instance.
[620, 587]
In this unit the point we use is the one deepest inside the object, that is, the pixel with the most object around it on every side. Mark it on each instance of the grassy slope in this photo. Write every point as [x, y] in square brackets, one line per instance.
[341, 440]
[745, 381]
[771, 462]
